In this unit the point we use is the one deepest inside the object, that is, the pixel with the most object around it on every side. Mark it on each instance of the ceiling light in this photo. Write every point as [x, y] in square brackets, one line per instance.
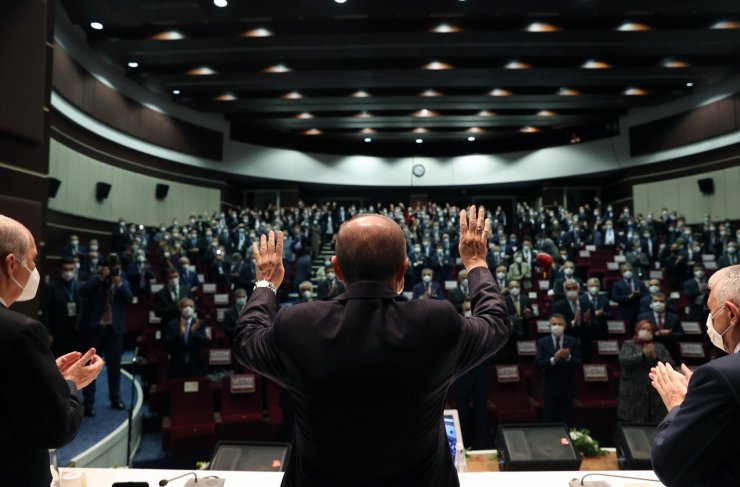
[726, 24]
[220, 3]
[517, 65]
[367, 131]
[633, 27]
[96, 25]
[437, 66]
[689, 84]
[133, 64]
[293, 95]
[361, 94]
[542, 27]
[475, 130]
[340, 1]
[529, 129]
[568, 92]
[175, 92]
[304, 116]
[446, 29]
[368, 139]
[419, 141]
[471, 139]
[635, 92]
[424, 113]
[593, 64]
[363, 114]
[674, 63]
[170, 35]
[278, 68]
[258, 32]
[499, 92]
[545, 113]
[430, 93]
[226, 97]
[486, 113]
[201, 71]
[312, 132]
[420, 130]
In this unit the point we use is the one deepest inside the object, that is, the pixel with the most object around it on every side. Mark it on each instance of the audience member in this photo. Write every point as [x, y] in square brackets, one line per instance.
[627, 293]
[330, 287]
[166, 299]
[62, 308]
[695, 291]
[461, 293]
[185, 339]
[231, 316]
[521, 272]
[428, 288]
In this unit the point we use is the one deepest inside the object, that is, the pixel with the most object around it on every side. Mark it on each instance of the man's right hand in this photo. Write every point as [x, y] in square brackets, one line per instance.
[269, 258]
[473, 245]
[82, 373]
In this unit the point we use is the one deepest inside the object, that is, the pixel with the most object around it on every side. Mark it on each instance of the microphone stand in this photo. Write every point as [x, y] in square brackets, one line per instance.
[134, 368]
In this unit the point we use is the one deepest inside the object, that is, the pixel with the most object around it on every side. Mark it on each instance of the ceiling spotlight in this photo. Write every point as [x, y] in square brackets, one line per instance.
[226, 97]
[575, 138]
[96, 25]
[293, 95]
[360, 94]
[689, 84]
[475, 130]
[446, 29]
[430, 93]
[220, 3]
[593, 64]
[420, 130]
[340, 1]
[363, 114]
[368, 139]
[175, 92]
[201, 71]
[419, 141]
[471, 139]
[423, 113]
[312, 132]
[133, 64]
[278, 68]
[542, 27]
[632, 27]
[568, 92]
[486, 113]
[545, 113]
[499, 92]
[304, 116]
[170, 35]
[529, 129]
[367, 131]
[258, 32]
[437, 66]
[674, 63]
[635, 92]
[517, 65]
[726, 24]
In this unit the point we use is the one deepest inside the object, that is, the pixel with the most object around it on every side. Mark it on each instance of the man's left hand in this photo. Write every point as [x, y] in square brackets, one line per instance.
[67, 360]
[672, 389]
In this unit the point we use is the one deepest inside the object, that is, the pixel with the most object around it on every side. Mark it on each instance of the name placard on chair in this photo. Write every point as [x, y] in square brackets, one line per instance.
[221, 298]
[616, 327]
[591, 248]
[532, 295]
[190, 386]
[656, 274]
[607, 347]
[209, 288]
[620, 259]
[544, 285]
[691, 327]
[692, 350]
[612, 266]
[507, 373]
[220, 312]
[543, 326]
[219, 356]
[242, 383]
[156, 288]
[584, 254]
[526, 348]
[595, 373]
[154, 319]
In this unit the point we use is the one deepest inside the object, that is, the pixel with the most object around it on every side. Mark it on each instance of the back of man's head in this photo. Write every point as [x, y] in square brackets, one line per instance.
[370, 247]
[13, 238]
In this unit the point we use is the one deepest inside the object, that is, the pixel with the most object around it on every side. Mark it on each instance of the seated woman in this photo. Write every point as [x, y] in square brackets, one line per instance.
[638, 400]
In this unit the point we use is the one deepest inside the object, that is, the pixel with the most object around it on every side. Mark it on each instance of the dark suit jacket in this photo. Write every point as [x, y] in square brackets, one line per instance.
[726, 260]
[324, 289]
[58, 294]
[691, 292]
[94, 293]
[165, 307]
[670, 322]
[348, 361]
[696, 444]
[40, 410]
[186, 359]
[559, 378]
[628, 308]
[435, 290]
[231, 318]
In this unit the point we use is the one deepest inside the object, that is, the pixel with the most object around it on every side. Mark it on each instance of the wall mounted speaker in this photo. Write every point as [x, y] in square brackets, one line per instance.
[634, 443]
[101, 190]
[54, 184]
[528, 447]
[250, 456]
[706, 186]
[161, 191]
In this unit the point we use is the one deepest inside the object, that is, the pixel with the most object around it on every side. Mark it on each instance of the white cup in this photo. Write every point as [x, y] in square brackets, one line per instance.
[74, 479]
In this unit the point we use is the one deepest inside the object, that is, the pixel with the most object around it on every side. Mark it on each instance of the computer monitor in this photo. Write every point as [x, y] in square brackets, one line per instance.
[454, 433]
[527, 447]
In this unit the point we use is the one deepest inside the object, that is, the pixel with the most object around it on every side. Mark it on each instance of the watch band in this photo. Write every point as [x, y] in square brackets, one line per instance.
[267, 284]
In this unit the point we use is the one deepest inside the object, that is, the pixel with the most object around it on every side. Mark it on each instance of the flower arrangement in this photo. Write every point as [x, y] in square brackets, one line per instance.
[586, 446]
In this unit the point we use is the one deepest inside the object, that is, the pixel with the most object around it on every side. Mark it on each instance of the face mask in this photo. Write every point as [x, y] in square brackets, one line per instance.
[75, 242]
[187, 312]
[417, 249]
[173, 283]
[557, 330]
[627, 275]
[572, 294]
[330, 276]
[654, 289]
[657, 306]
[731, 250]
[514, 291]
[464, 283]
[426, 278]
[715, 337]
[594, 290]
[68, 275]
[32, 285]
[500, 275]
[468, 314]
[699, 274]
[518, 260]
[240, 302]
[645, 335]
[568, 271]
[307, 294]
[141, 258]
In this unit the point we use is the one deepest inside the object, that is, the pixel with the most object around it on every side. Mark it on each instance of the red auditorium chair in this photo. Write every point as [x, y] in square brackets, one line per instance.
[190, 429]
[159, 391]
[508, 396]
[607, 352]
[137, 316]
[242, 412]
[595, 405]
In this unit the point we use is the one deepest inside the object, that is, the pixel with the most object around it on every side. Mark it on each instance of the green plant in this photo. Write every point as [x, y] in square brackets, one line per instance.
[202, 465]
[586, 446]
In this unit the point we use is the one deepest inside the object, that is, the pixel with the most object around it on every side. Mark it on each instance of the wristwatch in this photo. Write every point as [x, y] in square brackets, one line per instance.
[267, 284]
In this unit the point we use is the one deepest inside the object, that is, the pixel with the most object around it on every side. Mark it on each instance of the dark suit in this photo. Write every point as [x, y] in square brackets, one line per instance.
[348, 360]
[671, 322]
[696, 444]
[628, 307]
[559, 381]
[231, 318]
[435, 290]
[696, 299]
[329, 290]
[165, 306]
[40, 410]
[598, 323]
[581, 329]
[727, 259]
[186, 358]
[61, 300]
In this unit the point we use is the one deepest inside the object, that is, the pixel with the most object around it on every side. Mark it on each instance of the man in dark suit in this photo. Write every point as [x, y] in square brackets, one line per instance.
[627, 293]
[231, 316]
[140, 275]
[40, 405]
[166, 299]
[330, 287]
[729, 257]
[458, 295]
[62, 309]
[695, 291]
[428, 288]
[598, 303]
[188, 277]
[696, 443]
[185, 339]
[667, 325]
[577, 314]
[558, 358]
[346, 359]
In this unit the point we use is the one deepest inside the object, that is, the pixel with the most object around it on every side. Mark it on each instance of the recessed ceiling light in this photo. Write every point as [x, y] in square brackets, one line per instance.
[486, 113]
[133, 64]
[96, 25]
[726, 24]
[594, 64]
[304, 116]
[542, 27]
[471, 139]
[424, 113]
[312, 132]
[689, 84]
[363, 114]
[170, 35]
[340, 1]
[175, 92]
[293, 95]
[278, 68]
[499, 92]
[431, 93]
[226, 97]
[367, 131]
[258, 32]
[419, 141]
[201, 71]
[545, 113]
[517, 65]
[361, 94]
[568, 92]
[633, 27]
[529, 129]
[475, 130]
[368, 139]
[420, 130]
[437, 66]
[446, 28]
[674, 63]
[635, 92]
[220, 3]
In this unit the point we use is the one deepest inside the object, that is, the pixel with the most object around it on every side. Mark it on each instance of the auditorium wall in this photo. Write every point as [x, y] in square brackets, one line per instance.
[131, 197]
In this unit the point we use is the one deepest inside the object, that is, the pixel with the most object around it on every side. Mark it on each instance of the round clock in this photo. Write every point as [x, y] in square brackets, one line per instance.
[418, 170]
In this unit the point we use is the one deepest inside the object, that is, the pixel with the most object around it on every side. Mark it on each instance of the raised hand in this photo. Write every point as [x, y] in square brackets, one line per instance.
[82, 373]
[269, 258]
[474, 232]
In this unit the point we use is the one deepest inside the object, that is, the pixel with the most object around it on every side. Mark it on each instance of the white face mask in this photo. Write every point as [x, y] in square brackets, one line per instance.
[557, 330]
[330, 276]
[514, 291]
[627, 275]
[426, 278]
[654, 289]
[187, 312]
[714, 337]
[568, 271]
[572, 294]
[468, 314]
[500, 275]
[594, 290]
[32, 285]
[240, 302]
[307, 294]
[645, 335]
[464, 283]
[68, 276]
[173, 284]
[518, 260]
[657, 306]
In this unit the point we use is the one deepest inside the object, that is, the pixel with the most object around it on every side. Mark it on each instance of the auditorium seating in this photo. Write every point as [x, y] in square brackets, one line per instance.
[190, 427]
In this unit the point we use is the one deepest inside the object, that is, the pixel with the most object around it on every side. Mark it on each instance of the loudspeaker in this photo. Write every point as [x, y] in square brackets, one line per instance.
[706, 186]
[102, 190]
[634, 442]
[161, 191]
[54, 184]
[527, 447]
[250, 456]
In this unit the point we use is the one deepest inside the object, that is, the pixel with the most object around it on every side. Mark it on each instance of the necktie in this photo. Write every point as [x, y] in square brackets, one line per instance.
[187, 331]
[631, 287]
[518, 307]
[660, 321]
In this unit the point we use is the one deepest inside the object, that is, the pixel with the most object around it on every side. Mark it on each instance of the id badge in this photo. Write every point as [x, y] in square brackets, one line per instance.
[71, 309]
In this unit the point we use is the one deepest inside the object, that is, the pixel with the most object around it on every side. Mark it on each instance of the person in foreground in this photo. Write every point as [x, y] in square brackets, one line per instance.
[697, 444]
[368, 371]
[40, 409]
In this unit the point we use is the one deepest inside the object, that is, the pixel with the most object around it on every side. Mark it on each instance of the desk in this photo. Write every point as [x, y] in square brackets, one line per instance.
[487, 462]
[105, 477]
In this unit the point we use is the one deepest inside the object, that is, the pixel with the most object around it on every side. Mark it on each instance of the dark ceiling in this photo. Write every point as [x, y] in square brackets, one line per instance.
[518, 72]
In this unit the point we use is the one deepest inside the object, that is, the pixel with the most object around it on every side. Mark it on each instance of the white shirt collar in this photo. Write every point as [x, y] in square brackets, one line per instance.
[4, 303]
[737, 348]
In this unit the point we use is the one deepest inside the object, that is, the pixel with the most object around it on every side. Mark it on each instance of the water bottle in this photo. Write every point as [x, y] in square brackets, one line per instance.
[54, 467]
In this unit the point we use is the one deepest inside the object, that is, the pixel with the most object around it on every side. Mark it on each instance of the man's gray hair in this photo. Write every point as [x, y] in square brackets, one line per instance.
[572, 281]
[725, 284]
[13, 238]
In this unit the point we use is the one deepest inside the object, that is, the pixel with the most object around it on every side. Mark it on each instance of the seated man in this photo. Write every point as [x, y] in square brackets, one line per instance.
[330, 287]
[427, 288]
[184, 339]
[305, 292]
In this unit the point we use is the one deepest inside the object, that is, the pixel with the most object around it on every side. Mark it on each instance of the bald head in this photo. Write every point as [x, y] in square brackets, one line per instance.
[14, 238]
[725, 285]
[370, 248]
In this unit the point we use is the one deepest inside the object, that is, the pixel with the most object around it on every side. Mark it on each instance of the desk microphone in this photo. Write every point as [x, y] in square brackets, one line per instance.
[164, 482]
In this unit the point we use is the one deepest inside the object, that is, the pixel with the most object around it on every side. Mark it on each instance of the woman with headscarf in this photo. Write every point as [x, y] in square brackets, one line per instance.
[638, 400]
